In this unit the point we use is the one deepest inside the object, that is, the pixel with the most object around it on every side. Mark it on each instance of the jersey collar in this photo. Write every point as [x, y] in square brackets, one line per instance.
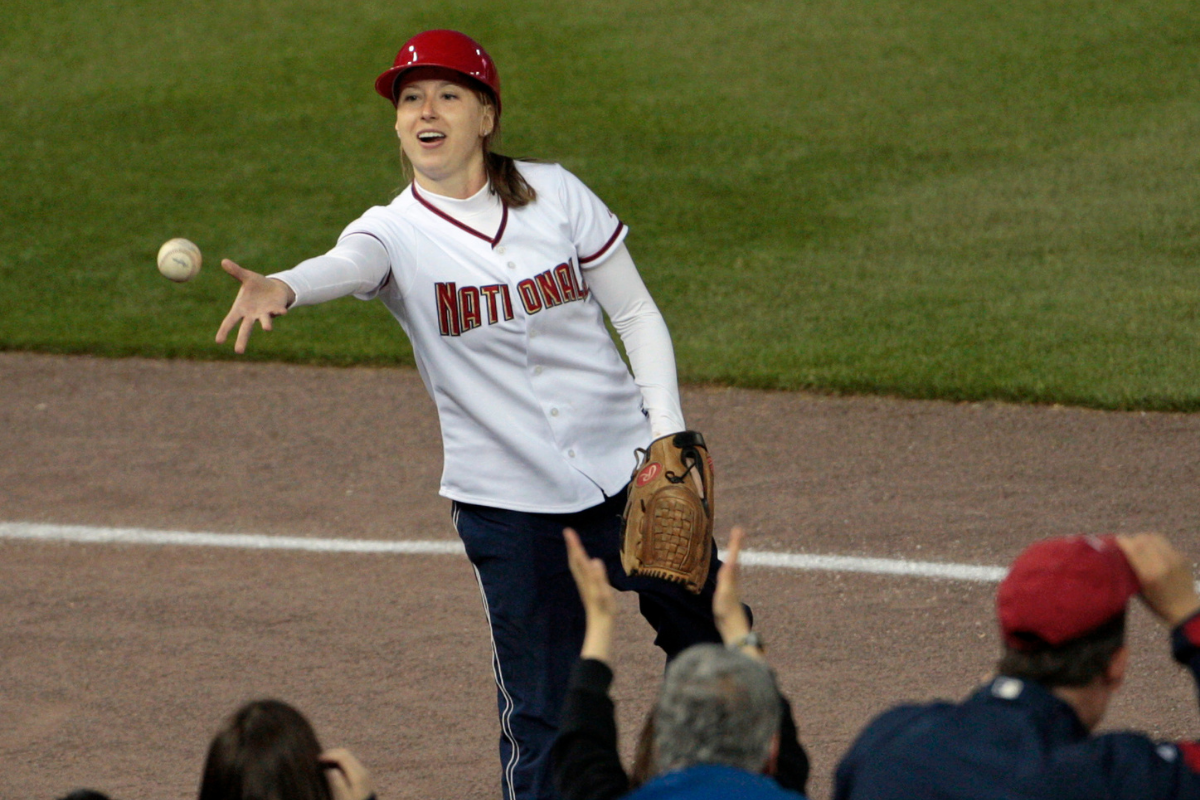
[492, 240]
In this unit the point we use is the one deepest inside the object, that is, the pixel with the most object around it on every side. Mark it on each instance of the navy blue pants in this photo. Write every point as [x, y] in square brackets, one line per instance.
[537, 620]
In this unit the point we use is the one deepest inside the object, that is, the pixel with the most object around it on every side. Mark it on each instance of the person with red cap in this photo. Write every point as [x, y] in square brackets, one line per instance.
[1028, 732]
[501, 273]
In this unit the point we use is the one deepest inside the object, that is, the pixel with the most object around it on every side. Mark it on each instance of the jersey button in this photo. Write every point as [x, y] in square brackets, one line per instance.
[511, 265]
[554, 412]
[500, 249]
[537, 370]
[571, 453]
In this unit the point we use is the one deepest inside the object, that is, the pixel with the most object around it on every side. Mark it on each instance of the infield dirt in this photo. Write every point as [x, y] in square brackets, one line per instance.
[118, 662]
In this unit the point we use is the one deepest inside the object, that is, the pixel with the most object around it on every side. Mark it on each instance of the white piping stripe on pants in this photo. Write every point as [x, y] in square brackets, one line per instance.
[506, 715]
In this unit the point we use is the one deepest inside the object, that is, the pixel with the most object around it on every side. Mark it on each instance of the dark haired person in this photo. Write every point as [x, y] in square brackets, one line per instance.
[719, 729]
[1028, 733]
[501, 272]
[268, 750]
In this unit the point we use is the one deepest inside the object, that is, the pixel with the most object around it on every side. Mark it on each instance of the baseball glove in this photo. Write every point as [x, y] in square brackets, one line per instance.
[668, 525]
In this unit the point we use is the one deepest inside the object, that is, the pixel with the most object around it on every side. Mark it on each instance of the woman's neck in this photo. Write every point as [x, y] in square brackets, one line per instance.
[458, 187]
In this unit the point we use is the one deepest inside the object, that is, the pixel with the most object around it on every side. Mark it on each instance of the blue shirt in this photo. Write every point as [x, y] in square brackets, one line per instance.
[712, 782]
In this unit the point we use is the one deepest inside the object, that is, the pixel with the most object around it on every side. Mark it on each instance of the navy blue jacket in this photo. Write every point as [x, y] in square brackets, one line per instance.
[1015, 739]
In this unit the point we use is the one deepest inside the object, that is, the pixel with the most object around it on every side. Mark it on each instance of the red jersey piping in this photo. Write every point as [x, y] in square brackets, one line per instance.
[493, 241]
[585, 259]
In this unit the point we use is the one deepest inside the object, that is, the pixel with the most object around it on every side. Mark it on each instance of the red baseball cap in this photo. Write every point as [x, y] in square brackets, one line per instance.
[1060, 589]
[447, 49]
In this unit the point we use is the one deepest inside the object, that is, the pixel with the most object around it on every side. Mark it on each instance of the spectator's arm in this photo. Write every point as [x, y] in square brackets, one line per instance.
[586, 764]
[598, 598]
[791, 766]
[584, 760]
[729, 613]
[1169, 592]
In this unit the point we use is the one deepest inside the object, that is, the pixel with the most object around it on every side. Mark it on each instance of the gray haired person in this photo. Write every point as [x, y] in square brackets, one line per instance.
[716, 706]
[719, 730]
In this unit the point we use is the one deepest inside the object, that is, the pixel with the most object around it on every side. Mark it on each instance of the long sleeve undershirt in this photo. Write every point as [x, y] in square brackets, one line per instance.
[359, 264]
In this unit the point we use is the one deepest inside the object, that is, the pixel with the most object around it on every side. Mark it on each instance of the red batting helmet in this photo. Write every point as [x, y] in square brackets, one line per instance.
[447, 49]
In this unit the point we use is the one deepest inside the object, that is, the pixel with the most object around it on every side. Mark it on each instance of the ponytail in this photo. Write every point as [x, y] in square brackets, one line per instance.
[507, 181]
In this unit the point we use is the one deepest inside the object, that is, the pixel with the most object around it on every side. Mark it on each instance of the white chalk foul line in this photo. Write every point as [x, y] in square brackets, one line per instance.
[243, 541]
[750, 558]
[874, 566]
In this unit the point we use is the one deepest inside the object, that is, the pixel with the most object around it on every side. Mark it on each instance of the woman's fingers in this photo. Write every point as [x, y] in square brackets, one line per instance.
[227, 324]
[258, 300]
[243, 337]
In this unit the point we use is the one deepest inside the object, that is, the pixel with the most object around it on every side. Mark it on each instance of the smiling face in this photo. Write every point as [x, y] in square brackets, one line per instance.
[442, 124]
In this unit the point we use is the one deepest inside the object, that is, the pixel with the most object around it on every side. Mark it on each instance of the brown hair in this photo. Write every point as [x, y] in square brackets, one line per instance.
[266, 751]
[1074, 663]
[506, 180]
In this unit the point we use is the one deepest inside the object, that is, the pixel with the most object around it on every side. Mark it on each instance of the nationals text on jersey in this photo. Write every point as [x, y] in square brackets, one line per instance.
[461, 310]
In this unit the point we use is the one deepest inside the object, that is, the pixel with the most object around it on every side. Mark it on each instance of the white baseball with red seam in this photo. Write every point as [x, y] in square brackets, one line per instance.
[179, 260]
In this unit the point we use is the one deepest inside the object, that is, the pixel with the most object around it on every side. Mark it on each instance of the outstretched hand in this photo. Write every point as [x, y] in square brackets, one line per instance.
[1164, 574]
[598, 597]
[259, 300]
[728, 611]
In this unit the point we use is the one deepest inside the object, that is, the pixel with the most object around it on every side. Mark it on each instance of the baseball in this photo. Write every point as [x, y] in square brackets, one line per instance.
[179, 260]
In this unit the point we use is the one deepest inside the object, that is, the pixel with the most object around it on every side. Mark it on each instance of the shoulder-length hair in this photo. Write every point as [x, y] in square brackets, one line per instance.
[266, 751]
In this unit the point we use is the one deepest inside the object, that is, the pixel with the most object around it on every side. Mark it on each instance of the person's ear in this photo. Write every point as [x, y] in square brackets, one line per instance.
[771, 765]
[1114, 673]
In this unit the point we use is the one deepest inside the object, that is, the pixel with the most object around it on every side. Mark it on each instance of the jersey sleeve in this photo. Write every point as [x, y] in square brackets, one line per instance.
[381, 224]
[357, 266]
[595, 230]
[621, 293]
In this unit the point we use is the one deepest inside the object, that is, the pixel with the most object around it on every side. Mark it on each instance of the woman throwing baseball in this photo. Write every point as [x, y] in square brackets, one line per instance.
[500, 274]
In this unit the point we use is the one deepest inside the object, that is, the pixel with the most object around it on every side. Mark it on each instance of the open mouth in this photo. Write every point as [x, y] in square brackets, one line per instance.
[430, 136]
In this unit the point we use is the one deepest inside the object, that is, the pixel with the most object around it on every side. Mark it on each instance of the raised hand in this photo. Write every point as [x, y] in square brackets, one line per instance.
[348, 779]
[598, 597]
[1164, 574]
[728, 611]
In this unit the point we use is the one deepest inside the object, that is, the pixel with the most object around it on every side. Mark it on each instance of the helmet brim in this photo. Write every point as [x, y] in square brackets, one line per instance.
[386, 83]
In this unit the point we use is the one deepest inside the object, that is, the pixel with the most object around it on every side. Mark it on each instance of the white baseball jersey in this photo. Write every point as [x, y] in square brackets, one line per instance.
[538, 412]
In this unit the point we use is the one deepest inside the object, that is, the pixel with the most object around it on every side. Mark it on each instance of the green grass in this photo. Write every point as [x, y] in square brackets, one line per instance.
[952, 198]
